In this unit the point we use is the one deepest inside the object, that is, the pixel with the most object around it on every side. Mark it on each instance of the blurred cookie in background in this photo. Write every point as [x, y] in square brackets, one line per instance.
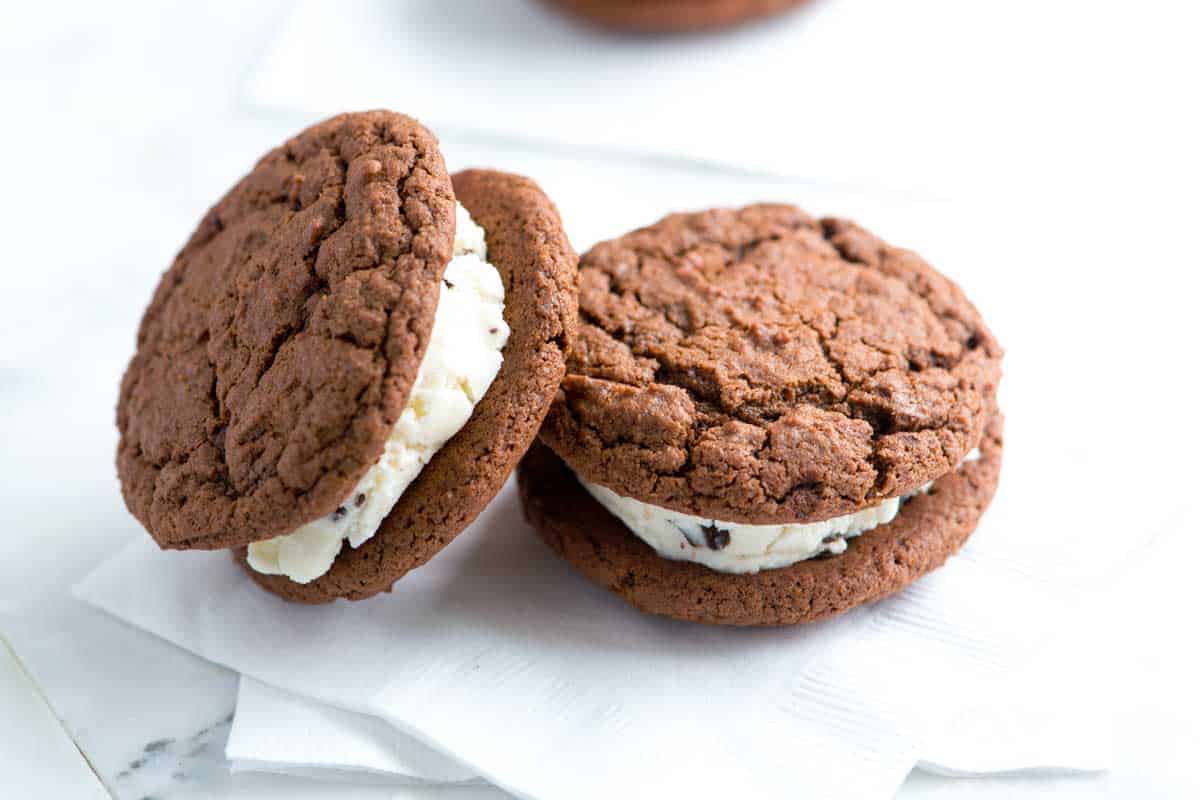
[672, 16]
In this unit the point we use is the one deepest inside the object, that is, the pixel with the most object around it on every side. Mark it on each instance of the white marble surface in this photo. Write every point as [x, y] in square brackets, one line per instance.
[44, 761]
[125, 120]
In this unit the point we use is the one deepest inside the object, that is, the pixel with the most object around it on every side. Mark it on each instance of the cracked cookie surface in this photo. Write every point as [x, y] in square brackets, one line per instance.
[759, 365]
[281, 345]
[930, 528]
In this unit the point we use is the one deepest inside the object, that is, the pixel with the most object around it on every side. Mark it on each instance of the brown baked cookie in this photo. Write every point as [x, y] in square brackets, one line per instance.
[281, 348]
[928, 529]
[762, 366]
[665, 16]
[527, 244]
[754, 408]
[281, 344]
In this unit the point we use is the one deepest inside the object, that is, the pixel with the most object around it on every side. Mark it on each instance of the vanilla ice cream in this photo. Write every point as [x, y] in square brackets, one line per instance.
[738, 547]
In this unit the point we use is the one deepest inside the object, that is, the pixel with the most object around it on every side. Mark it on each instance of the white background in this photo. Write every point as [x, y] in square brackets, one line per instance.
[1063, 134]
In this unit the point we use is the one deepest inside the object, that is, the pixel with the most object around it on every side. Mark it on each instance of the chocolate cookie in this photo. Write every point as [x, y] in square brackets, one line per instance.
[753, 389]
[929, 529]
[762, 366]
[285, 343]
[284, 339]
[527, 244]
[672, 15]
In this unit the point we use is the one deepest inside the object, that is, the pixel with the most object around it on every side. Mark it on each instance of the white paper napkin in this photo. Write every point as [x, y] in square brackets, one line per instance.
[501, 658]
[1044, 720]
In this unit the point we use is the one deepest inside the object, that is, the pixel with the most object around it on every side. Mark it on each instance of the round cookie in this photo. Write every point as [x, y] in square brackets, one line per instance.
[665, 16]
[929, 528]
[761, 366]
[280, 346]
[526, 243]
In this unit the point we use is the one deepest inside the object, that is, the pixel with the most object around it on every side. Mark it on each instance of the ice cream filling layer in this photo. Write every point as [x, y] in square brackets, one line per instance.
[737, 547]
[460, 363]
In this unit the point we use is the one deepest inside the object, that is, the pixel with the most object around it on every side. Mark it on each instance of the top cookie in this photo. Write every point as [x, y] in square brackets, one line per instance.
[762, 366]
[281, 345]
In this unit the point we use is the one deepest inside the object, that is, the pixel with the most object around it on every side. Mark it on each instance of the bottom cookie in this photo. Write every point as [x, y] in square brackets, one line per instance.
[929, 529]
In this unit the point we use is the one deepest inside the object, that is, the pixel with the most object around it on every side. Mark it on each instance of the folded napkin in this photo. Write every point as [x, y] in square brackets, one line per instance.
[499, 657]
[1041, 721]
[275, 731]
